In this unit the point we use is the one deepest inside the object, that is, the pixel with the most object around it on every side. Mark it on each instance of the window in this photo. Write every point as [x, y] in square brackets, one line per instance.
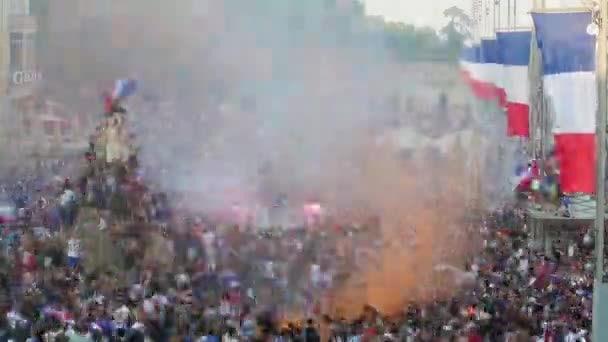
[22, 47]
[65, 128]
[16, 54]
[49, 128]
[27, 126]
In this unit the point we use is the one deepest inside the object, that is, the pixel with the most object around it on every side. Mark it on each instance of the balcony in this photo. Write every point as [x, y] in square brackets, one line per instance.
[22, 23]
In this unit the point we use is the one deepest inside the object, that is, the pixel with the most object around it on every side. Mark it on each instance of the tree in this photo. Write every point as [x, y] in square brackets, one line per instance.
[453, 41]
[459, 20]
[456, 31]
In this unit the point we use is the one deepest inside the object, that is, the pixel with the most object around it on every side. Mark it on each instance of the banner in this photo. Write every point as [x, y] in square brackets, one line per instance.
[514, 50]
[491, 72]
[568, 56]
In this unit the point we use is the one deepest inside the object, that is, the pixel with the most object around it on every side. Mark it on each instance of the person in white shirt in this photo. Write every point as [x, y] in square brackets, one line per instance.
[102, 224]
[67, 201]
[73, 251]
[523, 266]
[269, 269]
[208, 239]
[229, 338]
[121, 317]
[224, 309]
[574, 336]
[315, 274]
[67, 198]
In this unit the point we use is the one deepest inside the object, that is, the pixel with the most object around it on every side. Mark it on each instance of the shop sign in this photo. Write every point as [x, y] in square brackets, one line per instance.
[24, 77]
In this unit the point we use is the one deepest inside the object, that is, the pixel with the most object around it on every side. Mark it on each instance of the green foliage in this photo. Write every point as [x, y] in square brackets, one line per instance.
[410, 43]
[453, 42]
[344, 23]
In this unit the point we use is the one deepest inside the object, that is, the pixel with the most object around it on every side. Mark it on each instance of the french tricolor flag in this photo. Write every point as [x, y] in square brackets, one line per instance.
[124, 88]
[474, 73]
[469, 57]
[568, 56]
[491, 72]
[525, 175]
[515, 55]
[481, 68]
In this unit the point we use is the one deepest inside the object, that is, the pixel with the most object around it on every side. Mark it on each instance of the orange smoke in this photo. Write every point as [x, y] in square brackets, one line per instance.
[421, 203]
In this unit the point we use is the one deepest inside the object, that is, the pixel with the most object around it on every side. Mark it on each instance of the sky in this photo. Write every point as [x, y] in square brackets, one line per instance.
[417, 12]
[430, 12]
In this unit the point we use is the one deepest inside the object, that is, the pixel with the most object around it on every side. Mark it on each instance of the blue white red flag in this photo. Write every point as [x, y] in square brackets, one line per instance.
[491, 66]
[481, 68]
[514, 49]
[568, 56]
[124, 88]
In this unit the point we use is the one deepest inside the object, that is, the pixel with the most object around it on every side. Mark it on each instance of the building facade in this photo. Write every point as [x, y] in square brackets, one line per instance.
[19, 75]
[30, 124]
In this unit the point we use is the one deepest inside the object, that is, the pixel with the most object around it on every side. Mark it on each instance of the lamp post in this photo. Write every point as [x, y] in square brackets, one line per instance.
[600, 288]
[514, 13]
[509, 13]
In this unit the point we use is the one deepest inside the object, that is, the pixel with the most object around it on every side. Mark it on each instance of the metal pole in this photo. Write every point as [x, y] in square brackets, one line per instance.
[497, 3]
[494, 16]
[486, 13]
[601, 140]
[509, 13]
[543, 134]
[514, 13]
[600, 293]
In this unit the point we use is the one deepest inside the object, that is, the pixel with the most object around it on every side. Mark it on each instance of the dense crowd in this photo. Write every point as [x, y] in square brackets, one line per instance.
[92, 253]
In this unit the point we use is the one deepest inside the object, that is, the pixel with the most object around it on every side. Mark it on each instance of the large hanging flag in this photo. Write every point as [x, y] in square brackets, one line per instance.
[469, 58]
[568, 55]
[514, 51]
[475, 73]
[491, 72]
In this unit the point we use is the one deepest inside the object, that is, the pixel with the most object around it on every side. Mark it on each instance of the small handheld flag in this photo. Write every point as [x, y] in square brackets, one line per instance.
[124, 88]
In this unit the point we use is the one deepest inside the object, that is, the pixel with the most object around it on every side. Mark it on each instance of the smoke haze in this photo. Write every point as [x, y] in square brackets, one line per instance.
[238, 97]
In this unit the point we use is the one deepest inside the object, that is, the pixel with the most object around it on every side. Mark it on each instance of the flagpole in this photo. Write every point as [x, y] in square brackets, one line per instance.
[542, 121]
[488, 30]
[509, 13]
[499, 4]
[601, 139]
[486, 21]
[600, 288]
[493, 15]
[514, 13]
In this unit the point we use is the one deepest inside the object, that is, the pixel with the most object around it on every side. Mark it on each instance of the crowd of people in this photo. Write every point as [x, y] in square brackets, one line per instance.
[92, 253]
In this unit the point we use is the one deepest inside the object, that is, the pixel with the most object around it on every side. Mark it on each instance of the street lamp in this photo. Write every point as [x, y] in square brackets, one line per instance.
[497, 4]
